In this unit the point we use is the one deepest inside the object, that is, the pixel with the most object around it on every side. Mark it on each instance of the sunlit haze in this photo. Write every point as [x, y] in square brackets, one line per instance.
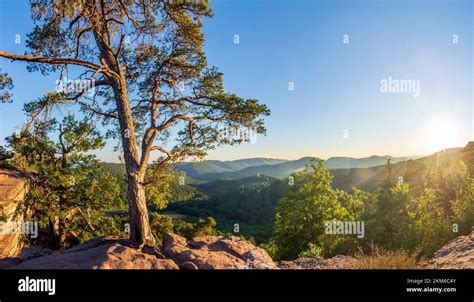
[330, 94]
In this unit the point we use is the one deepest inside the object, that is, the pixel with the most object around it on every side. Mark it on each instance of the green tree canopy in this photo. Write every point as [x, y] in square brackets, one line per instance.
[64, 195]
[302, 214]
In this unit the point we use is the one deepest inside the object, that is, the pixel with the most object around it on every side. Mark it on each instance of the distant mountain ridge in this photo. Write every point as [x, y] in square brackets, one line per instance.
[411, 170]
[364, 173]
[197, 169]
[365, 162]
[211, 170]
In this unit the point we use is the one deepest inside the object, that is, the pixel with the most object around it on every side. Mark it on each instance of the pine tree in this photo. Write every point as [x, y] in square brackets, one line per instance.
[302, 214]
[146, 62]
[66, 194]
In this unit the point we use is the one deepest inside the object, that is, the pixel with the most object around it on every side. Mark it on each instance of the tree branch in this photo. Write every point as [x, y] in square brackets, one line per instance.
[54, 61]
[183, 117]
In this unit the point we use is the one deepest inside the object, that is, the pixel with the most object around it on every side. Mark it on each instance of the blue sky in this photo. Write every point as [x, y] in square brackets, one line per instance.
[336, 85]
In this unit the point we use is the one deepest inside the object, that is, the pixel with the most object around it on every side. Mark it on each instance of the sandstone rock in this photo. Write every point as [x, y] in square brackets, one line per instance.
[340, 262]
[216, 252]
[33, 252]
[189, 265]
[208, 252]
[98, 253]
[13, 189]
[303, 263]
[336, 262]
[457, 254]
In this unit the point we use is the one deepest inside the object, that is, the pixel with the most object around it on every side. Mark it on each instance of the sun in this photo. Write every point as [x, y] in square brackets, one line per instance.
[440, 133]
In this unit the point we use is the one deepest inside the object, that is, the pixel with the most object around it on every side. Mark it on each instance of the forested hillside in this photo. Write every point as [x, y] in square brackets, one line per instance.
[211, 170]
[250, 202]
[198, 169]
[413, 204]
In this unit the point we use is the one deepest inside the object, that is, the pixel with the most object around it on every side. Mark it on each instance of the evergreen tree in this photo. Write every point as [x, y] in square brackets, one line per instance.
[463, 206]
[146, 63]
[65, 197]
[388, 213]
[302, 214]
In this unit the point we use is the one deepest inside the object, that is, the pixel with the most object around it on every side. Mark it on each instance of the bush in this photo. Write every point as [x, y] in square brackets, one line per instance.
[162, 224]
[313, 251]
[5, 156]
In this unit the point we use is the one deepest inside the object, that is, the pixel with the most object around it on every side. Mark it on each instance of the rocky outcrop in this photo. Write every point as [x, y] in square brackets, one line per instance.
[216, 252]
[99, 253]
[336, 262]
[208, 252]
[457, 254]
[13, 188]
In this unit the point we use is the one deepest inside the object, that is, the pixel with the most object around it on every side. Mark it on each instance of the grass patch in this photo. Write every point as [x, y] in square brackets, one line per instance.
[380, 258]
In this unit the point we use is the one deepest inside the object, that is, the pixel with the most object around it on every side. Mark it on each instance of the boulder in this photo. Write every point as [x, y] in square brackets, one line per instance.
[457, 254]
[99, 253]
[216, 252]
[13, 188]
[336, 262]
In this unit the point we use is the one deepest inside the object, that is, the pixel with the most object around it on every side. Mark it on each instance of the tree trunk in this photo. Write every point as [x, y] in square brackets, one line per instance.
[54, 231]
[62, 234]
[140, 231]
[61, 228]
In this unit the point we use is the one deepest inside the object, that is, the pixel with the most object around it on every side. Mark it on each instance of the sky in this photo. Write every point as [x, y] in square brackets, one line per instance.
[327, 70]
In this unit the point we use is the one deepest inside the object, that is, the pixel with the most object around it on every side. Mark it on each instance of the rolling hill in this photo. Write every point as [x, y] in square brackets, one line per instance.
[284, 169]
[364, 173]
[220, 187]
[413, 169]
[197, 169]
[252, 200]
[366, 162]
[212, 170]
